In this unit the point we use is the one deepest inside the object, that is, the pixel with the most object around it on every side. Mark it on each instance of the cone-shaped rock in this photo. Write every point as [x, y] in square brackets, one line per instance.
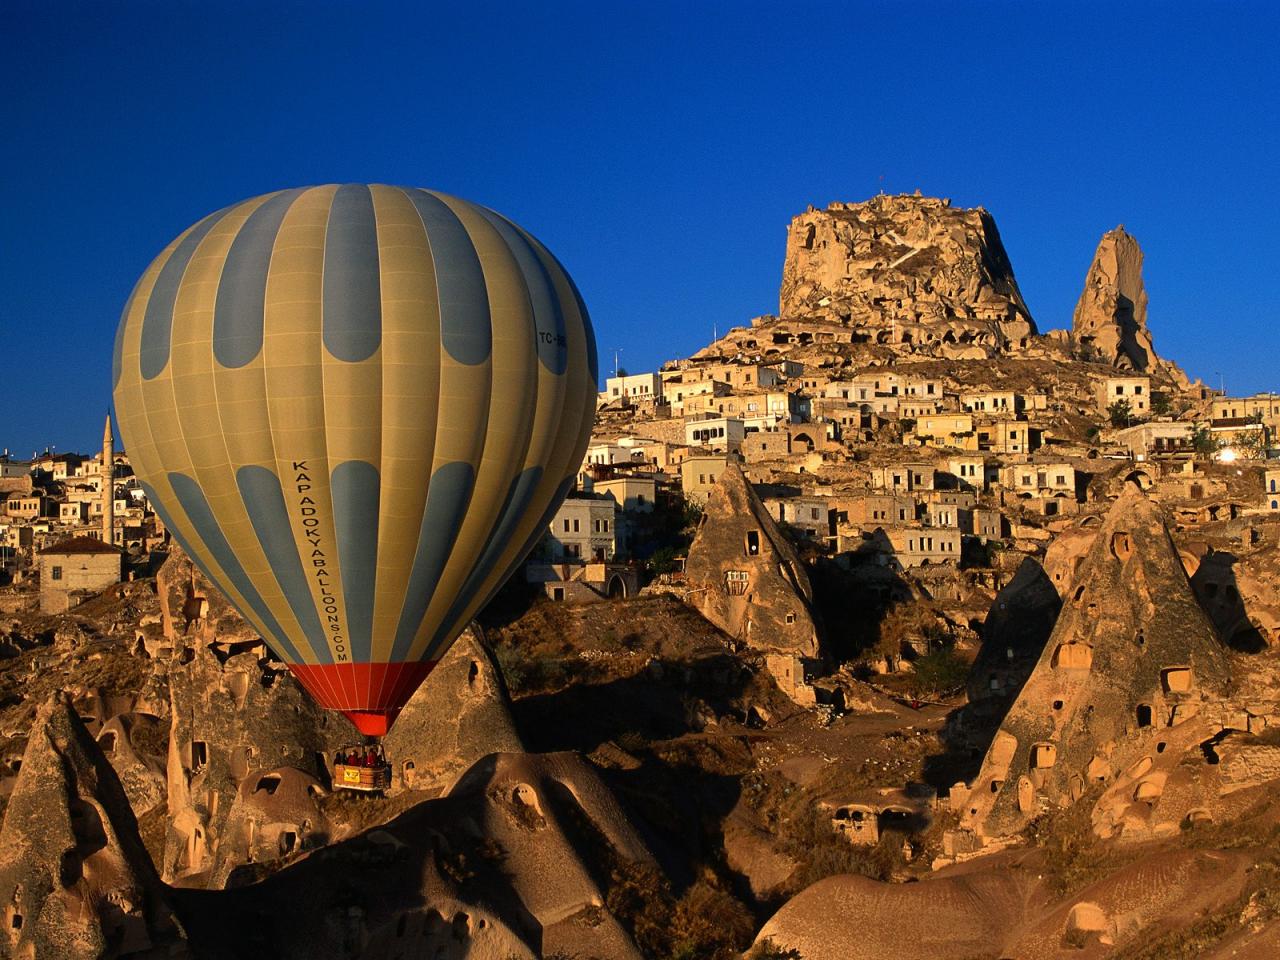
[460, 714]
[75, 879]
[1118, 690]
[1111, 315]
[746, 578]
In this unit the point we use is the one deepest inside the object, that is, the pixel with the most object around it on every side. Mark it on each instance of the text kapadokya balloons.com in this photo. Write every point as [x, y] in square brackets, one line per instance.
[357, 408]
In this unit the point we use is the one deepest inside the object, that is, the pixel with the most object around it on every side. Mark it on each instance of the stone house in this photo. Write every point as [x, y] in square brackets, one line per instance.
[632, 494]
[699, 476]
[1008, 436]
[970, 472]
[915, 475]
[807, 437]
[810, 514]
[991, 401]
[1136, 390]
[1271, 487]
[676, 392]
[876, 510]
[943, 514]
[608, 454]
[1155, 438]
[776, 405]
[582, 529]
[983, 522]
[916, 546]
[914, 408]
[1263, 406]
[74, 512]
[947, 430]
[1040, 479]
[27, 506]
[13, 468]
[75, 569]
[920, 387]
[739, 375]
[576, 582]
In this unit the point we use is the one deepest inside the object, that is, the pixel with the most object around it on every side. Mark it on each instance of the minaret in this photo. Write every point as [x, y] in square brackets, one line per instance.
[108, 483]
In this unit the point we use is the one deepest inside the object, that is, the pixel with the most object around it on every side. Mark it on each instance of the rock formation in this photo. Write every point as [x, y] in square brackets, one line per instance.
[746, 578]
[460, 714]
[511, 863]
[913, 268]
[1110, 318]
[1014, 634]
[1004, 909]
[1117, 696]
[236, 716]
[943, 918]
[75, 879]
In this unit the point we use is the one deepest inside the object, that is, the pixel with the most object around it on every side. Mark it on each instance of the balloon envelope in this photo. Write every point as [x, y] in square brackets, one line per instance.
[357, 408]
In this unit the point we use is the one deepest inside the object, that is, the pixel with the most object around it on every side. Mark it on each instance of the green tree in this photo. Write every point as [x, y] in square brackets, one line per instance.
[1121, 413]
[1161, 405]
[1203, 442]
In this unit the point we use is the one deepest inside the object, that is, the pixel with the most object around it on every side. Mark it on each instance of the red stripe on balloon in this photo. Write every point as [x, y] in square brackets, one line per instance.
[371, 695]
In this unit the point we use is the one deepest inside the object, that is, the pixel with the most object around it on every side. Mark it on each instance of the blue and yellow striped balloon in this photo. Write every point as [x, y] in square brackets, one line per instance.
[356, 407]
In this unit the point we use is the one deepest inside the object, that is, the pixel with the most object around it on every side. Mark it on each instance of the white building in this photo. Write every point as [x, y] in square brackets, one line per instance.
[718, 433]
[635, 387]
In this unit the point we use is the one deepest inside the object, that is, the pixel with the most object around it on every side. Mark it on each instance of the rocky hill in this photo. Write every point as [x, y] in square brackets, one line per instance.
[916, 264]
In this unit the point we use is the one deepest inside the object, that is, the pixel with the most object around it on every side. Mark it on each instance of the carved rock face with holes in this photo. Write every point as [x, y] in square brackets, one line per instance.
[1131, 679]
[746, 578]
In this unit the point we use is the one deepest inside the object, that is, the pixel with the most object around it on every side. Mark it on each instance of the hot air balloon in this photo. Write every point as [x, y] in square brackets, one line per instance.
[356, 408]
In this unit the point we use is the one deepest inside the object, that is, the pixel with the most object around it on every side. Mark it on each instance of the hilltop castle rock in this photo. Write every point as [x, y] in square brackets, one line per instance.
[907, 269]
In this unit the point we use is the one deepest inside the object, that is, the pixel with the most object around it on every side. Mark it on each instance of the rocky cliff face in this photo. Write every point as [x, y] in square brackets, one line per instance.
[914, 267]
[1111, 315]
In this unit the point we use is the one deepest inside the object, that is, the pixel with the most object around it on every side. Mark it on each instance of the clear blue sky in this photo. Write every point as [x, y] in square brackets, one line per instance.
[659, 149]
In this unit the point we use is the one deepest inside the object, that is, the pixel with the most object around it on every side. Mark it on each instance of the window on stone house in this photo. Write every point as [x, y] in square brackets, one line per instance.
[566, 525]
[575, 525]
[753, 543]
[56, 573]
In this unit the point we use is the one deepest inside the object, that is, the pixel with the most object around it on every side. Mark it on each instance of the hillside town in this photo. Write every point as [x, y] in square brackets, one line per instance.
[892, 526]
